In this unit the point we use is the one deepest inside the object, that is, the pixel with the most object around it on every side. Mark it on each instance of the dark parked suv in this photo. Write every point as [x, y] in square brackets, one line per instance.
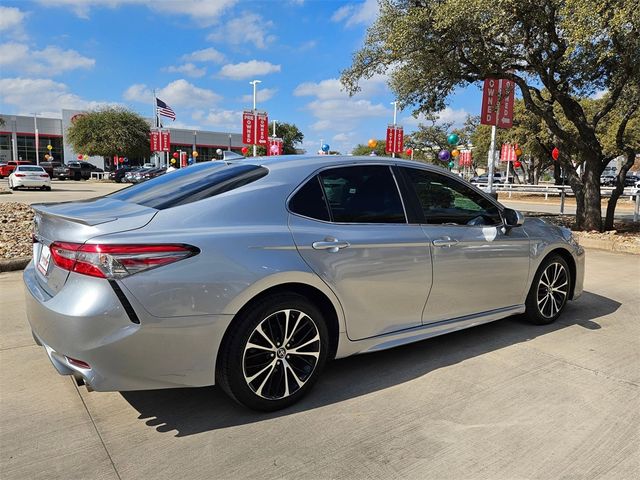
[49, 167]
[75, 171]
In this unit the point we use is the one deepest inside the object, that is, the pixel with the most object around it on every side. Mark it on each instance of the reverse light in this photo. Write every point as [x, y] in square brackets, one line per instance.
[116, 261]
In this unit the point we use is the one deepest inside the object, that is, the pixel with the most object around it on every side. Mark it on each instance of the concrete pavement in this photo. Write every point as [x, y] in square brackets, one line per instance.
[500, 401]
[62, 191]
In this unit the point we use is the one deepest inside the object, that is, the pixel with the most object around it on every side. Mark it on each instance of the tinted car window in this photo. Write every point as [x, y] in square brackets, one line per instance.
[190, 185]
[444, 200]
[309, 201]
[362, 194]
[22, 168]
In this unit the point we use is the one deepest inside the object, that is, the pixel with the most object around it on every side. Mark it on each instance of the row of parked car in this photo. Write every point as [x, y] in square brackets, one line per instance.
[131, 174]
[75, 170]
[631, 180]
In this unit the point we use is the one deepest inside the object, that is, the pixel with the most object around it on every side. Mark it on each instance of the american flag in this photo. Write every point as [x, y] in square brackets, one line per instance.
[164, 109]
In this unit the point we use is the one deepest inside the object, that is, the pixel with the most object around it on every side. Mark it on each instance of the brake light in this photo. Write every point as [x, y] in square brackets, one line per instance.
[44, 175]
[116, 261]
[19, 174]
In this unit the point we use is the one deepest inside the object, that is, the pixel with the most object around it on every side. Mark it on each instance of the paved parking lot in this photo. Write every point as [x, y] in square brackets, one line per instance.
[501, 401]
[61, 191]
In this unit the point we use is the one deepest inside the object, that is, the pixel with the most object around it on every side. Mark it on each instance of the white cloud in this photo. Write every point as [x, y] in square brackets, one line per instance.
[205, 55]
[447, 115]
[50, 61]
[203, 12]
[262, 95]
[178, 93]
[599, 94]
[10, 18]
[332, 88]
[252, 68]
[189, 69]
[40, 94]
[357, 14]
[225, 120]
[342, 115]
[246, 28]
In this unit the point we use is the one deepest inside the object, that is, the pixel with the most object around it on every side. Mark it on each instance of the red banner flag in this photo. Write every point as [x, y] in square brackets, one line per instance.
[276, 146]
[497, 102]
[154, 141]
[262, 121]
[165, 140]
[505, 115]
[399, 143]
[390, 142]
[248, 124]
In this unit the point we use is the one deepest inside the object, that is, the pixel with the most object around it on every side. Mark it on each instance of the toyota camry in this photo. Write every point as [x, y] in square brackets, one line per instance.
[252, 274]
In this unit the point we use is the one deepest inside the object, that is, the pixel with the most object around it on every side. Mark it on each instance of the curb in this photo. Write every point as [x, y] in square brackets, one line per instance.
[608, 245]
[12, 264]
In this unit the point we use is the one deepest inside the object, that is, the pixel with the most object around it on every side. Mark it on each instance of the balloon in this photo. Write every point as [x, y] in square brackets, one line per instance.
[85, 156]
[444, 155]
[518, 151]
[195, 154]
[49, 147]
[455, 152]
[325, 147]
[175, 155]
[121, 160]
[219, 151]
[408, 151]
[373, 143]
[244, 150]
[451, 164]
[80, 157]
[555, 153]
[46, 157]
[517, 164]
[453, 139]
[173, 160]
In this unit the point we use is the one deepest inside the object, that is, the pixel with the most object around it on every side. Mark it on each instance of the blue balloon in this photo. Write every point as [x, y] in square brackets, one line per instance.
[325, 147]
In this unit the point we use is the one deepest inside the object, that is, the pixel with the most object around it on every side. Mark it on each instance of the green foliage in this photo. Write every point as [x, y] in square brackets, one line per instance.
[110, 131]
[558, 52]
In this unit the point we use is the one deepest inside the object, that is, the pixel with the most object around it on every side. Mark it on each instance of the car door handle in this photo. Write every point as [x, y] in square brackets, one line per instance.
[331, 245]
[445, 242]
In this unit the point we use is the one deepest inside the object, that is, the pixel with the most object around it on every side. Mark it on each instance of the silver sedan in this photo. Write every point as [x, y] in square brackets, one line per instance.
[252, 274]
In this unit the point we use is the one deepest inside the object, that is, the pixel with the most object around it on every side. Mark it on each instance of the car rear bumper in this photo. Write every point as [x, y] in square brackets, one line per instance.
[22, 182]
[86, 321]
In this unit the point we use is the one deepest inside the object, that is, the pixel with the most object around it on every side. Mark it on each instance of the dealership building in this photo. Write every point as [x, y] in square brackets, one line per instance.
[18, 140]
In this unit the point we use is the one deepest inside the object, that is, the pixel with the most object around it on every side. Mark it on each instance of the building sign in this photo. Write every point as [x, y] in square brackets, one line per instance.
[497, 103]
[395, 139]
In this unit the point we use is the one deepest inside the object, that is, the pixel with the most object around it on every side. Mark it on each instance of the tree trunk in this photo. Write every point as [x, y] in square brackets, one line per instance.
[590, 216]
[557, 173]
[617, 191]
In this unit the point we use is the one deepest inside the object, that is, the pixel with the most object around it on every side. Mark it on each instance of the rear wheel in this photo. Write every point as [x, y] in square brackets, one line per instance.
[549, 291]
[275, 353]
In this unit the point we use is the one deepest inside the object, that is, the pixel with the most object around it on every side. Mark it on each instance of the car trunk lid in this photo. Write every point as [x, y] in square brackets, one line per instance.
[77, 222]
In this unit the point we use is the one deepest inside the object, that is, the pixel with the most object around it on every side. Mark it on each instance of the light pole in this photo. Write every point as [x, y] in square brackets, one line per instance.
[395, 118]
[255, 126]
[35, 127]
[274, 127]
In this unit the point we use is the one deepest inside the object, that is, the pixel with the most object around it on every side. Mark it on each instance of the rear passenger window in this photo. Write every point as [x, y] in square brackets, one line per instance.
[190, 184]
[362, 194]
[309, 201]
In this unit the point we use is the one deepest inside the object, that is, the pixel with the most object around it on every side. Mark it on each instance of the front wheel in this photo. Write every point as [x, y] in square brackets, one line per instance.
[274, 353]
[549, 291]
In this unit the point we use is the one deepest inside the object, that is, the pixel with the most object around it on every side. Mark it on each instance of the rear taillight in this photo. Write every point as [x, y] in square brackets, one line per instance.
[19, 174]
[116, 261]
[44, 175]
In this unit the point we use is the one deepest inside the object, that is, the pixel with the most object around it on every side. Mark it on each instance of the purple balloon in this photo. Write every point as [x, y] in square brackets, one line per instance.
[444, 155]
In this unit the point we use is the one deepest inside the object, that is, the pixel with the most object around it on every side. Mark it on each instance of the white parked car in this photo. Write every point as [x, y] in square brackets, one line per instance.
[29, 176]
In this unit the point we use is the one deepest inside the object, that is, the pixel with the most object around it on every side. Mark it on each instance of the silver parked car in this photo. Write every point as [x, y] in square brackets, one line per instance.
[251, 274]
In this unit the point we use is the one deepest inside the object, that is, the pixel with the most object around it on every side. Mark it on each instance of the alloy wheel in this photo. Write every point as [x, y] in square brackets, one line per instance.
[553, 289]
[281, 354]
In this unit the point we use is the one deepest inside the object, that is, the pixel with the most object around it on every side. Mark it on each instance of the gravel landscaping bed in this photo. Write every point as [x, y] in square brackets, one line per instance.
[16, 220]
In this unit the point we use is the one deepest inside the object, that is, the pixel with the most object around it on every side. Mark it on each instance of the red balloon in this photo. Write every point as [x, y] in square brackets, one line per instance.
[408, 151]
[555, 153]
[517, 164]
[80, 157]
[244, 150]
[175, 155]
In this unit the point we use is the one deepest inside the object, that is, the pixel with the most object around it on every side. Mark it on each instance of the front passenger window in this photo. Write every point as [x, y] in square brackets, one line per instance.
[446, 201]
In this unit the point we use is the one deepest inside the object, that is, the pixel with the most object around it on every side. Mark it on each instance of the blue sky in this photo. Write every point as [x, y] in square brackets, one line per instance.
[200, 56]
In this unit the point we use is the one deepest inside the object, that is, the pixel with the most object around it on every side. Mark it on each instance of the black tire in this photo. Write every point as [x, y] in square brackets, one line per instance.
[48, 189]
[549, 291]
[77, 177]
[278, 386]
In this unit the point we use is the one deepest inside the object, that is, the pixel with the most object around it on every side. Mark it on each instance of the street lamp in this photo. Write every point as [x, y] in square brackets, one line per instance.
[255, 129]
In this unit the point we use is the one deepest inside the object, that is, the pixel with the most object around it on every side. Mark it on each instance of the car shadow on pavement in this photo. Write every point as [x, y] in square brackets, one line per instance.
[195, 410]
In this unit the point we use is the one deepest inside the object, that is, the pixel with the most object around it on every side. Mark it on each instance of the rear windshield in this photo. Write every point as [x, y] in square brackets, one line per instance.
[30, 169]
[190, 184]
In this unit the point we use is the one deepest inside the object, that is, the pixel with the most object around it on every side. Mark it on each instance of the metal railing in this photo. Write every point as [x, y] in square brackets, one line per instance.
[563, 191]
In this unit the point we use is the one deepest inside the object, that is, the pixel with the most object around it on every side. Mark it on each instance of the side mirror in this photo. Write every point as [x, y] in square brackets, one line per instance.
[512, 218]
